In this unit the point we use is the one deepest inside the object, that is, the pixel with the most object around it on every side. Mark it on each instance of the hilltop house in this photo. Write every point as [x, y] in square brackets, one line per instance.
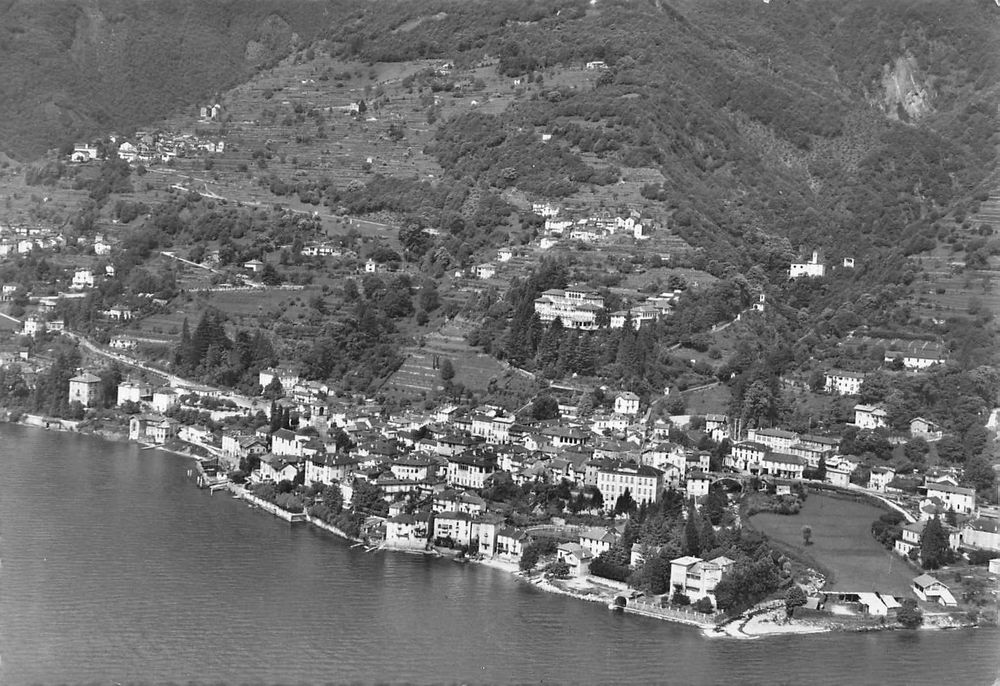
[811, 268]
[627, 403]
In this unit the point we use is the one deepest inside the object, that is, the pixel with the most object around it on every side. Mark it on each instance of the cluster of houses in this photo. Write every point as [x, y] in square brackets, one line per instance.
[162, 146]
[23, 239]
[591, 227]
[579, 307]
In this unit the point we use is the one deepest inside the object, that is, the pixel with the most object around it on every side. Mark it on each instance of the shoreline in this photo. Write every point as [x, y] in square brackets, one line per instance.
[761, 623]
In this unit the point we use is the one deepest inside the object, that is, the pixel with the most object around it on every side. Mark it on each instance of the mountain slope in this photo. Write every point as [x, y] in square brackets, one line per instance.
[78, 67]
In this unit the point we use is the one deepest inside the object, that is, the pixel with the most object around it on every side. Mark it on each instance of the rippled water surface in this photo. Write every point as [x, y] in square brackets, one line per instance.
[115, 568]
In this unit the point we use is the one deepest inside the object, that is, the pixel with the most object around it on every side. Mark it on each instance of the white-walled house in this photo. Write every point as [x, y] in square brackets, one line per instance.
[870, 417]
[958, 498]
[843, 383]
[811, 268]
[697, 578]
[627, 403]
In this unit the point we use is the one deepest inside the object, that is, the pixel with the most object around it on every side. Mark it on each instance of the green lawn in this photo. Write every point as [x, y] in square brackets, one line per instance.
[841, 541]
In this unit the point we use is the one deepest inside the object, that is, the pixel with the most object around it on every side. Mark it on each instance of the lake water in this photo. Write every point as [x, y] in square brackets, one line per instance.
[115, 568]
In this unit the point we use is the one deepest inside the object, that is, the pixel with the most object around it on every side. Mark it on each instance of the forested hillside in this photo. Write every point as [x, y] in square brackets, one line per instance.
[848, 126]
[82, 67]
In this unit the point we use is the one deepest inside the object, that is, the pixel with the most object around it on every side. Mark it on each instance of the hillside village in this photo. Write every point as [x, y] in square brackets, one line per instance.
[557, 367]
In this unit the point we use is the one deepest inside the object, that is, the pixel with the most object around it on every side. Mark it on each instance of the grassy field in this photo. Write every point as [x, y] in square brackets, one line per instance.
[714, 400]
[841, 542]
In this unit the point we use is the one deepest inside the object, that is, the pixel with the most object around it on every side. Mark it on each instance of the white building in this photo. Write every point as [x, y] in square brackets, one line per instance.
[843, 383]
[639, 315]
[810, 268]
[627, 403]
[485, 271]
[870, 417]
[697, 578]
[644, 483]
[133, 392]
[544, 209]
[958, 498]
[82, 278]
[577, 307]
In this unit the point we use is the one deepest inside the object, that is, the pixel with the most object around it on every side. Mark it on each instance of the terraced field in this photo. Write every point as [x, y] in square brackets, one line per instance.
[420, 375]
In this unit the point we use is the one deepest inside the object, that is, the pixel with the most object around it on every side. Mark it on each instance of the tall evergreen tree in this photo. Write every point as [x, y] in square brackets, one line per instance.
[934, 548]
[692, 535]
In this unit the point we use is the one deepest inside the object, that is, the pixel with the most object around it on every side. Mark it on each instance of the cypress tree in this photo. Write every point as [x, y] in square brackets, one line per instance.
[692, 536]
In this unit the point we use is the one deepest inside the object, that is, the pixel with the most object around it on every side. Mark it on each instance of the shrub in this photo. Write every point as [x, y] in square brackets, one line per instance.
[704, 605]
[981, 557]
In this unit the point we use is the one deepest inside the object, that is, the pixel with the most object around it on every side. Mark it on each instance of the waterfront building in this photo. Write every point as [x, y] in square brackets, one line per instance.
[929, 589]
[454, 526]
[599, 540]
[154, 429]
[510, 542]
[697, 578]
[85, 389]
[576, 557]
[407, 531]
